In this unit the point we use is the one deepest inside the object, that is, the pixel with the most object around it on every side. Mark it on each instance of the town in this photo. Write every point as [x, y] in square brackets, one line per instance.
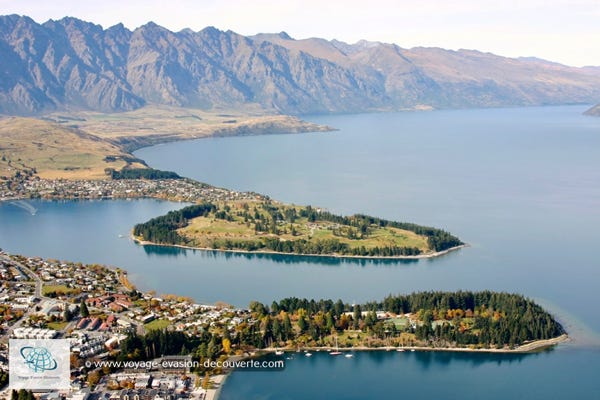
[184, 190]
[96, 308]
[128, 345]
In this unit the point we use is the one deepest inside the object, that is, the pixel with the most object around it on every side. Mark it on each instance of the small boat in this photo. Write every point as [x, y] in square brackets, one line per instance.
[337, 351]
[308, 354]
[349, 355]
[400, 350]
[279, 352]
[412, 350]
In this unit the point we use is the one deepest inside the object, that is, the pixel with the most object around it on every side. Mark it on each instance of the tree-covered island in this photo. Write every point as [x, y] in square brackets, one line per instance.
[269, 226]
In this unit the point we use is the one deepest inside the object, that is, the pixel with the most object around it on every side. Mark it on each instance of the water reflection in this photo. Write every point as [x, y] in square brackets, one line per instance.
[424, 360]
[170, 251]
[446, 359]
[422, 375]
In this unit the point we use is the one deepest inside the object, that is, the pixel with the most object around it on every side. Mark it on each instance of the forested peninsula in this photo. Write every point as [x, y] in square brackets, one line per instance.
[269, 226]
[463, 320]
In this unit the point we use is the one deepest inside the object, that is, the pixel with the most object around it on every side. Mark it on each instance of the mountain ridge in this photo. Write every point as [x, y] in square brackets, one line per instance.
[594, 111]
[70, 64]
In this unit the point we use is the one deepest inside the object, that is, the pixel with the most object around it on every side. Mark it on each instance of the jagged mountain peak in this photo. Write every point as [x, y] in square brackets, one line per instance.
[151, 25]
[72, 63]
[211, 31]
[367, 44]
[12, 19]
[118, 29]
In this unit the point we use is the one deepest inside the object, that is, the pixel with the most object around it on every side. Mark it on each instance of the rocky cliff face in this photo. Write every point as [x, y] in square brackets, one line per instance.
[73, 64]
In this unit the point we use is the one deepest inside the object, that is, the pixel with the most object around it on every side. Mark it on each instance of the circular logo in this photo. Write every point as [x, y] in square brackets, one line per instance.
[38, 359]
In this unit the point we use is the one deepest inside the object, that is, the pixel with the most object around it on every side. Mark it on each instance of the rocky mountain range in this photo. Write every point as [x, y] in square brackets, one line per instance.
[76, 65]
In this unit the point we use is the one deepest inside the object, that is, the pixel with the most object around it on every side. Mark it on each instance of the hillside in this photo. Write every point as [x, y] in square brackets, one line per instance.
[82, 145]
[594, 111]
[77, 65]
[50, 150]
[159, 124]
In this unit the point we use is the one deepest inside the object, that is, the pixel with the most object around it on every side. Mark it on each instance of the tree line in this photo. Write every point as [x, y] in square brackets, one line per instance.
[21, 394]
[163, 229]
[3, 378]
[318, 247]
[487, 319]
[141, 173]
[439, 319]
[438, 239]
[156, 343]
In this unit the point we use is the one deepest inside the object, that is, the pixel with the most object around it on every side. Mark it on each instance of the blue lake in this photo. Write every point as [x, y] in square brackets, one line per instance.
[560, 374]
[521, 186]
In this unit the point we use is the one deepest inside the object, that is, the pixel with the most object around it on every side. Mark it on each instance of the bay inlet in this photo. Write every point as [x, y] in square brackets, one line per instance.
[518, 185]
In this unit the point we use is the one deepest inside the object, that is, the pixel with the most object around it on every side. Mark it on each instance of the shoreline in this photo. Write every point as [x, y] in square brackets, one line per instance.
[337, 256]
[219, 381]
[526, 348]
[133, 143]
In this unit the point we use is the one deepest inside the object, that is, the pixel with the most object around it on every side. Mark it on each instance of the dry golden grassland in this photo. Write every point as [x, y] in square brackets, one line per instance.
[74, 145]
[205, 231]
[54, 151]
[156, 124]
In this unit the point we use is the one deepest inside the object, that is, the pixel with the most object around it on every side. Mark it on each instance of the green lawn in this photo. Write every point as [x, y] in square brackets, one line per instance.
[48, 289]
[57, 326]
[205, 231]
[157, 324]
[400, 322]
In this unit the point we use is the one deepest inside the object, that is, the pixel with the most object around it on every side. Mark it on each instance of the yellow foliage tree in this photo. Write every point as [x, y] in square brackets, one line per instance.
[206, 381]
[226, 345]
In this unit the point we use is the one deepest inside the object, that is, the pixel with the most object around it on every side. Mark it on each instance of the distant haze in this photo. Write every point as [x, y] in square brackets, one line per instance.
[564, 31]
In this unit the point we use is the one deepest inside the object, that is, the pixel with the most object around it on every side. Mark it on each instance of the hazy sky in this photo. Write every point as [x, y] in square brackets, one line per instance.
[566, 31]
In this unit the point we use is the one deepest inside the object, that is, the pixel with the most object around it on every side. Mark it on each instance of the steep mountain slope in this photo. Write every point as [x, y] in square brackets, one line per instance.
[594, 111]
[75, 65]
[465, 78]
[63, 64]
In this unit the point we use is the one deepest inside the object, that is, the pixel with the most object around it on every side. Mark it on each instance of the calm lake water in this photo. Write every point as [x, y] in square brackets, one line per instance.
[423, 375]
[521, 186]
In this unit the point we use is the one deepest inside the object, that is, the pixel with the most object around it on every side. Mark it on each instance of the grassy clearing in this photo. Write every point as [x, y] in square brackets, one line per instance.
[400, 322]
[57, 326]
[350, 338]
[157, 324]
[49, 289]
[242, 224]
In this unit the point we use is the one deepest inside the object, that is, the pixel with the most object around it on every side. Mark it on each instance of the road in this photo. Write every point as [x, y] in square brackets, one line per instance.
[37, 293]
